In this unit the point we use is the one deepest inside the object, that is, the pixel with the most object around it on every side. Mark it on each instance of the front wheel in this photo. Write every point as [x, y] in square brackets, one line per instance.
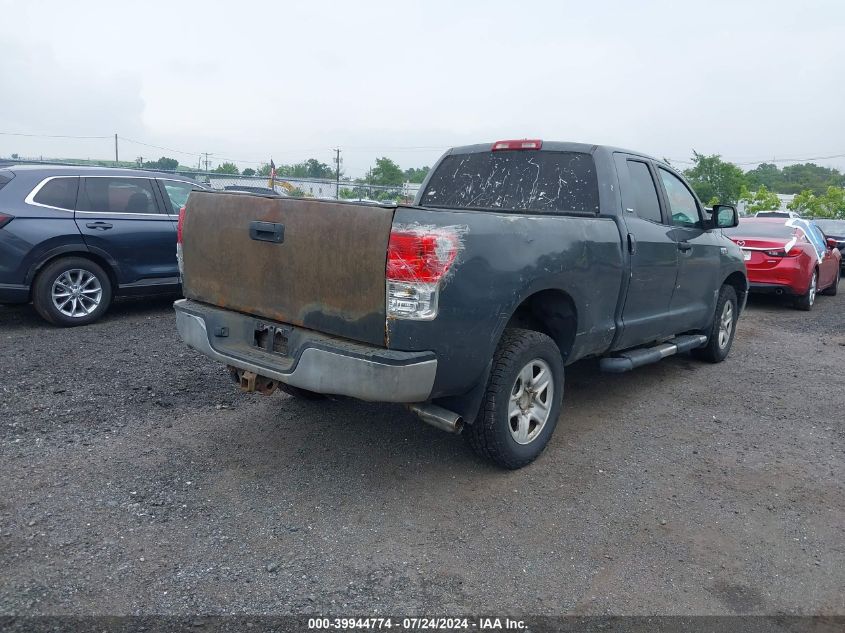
[722, 332]
[72, 291]
[808, 299]
[522, 403]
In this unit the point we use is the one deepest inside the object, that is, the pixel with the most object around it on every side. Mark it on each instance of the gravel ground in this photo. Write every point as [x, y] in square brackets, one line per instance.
[137, 480]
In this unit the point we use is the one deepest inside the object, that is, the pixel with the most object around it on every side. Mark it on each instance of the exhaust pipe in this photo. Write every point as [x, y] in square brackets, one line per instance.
[438, 417]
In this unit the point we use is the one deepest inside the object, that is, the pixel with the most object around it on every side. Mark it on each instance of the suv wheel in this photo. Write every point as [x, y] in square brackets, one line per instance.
[522, 403]
[722, 332]
[72, 291]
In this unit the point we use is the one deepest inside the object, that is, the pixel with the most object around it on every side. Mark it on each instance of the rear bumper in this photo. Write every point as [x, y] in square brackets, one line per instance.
[14, 293]
[789, 275]
[314, 361]
[777, 289]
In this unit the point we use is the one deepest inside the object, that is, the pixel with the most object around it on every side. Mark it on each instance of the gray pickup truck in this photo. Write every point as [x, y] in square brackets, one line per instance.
[516, 259]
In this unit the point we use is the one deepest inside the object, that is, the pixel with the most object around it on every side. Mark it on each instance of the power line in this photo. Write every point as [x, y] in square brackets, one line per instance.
[50, 135]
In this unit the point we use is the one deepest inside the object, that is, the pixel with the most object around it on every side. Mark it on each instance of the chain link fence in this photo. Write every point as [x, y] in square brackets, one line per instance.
[300, 187]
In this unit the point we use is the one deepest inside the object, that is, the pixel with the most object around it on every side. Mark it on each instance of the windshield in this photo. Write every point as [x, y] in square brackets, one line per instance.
[520, 180]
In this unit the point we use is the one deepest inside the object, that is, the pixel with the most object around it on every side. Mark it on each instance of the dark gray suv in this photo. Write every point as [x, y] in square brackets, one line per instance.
[72, 238]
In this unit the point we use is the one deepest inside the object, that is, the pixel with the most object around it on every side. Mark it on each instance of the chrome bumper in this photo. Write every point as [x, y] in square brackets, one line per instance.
[408, 377]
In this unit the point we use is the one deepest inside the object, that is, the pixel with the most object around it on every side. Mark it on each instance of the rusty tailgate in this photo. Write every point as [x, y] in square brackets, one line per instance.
[323, 269]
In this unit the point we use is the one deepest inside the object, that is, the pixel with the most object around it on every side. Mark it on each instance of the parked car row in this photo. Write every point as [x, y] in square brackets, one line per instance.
[82, 236]
[72, 238]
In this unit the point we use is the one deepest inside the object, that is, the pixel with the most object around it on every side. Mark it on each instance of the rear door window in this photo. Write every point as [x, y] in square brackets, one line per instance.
[533, 181]
[117, 195]
[647, 204]
[176, 193]
[58, 192]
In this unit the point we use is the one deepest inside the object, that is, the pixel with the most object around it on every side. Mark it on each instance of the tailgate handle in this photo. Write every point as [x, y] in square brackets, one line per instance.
[267, 231]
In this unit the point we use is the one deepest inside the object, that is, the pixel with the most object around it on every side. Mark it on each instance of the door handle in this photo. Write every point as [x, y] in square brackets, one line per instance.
[267, 232]
[684, 246]
[102, 226]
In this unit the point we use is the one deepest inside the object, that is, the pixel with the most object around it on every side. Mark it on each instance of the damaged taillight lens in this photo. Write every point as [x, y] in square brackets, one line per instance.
[418, 258]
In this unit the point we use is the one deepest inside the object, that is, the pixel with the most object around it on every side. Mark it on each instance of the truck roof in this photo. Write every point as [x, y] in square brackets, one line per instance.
[554, 146]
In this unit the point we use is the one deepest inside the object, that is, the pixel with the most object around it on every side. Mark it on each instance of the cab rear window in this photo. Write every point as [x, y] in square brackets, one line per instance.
[528, 181]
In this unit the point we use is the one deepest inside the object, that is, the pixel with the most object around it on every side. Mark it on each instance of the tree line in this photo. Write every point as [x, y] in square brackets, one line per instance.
[819, 191]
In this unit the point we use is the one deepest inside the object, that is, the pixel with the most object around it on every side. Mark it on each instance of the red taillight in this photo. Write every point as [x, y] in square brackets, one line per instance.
[795, 252]
[179, 225]
[5, 218]
[420, 255]
[518, 144]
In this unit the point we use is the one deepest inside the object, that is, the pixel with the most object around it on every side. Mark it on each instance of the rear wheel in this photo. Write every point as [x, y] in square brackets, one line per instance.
[723, 330]
[806, 301]
[72, 291]
[831, 291]
[522, 403]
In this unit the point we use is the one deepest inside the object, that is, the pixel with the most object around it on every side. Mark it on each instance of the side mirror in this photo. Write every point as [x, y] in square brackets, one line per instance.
[725, 216]
[832, 243]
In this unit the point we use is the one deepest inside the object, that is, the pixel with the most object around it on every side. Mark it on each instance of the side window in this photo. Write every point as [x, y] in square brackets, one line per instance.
[58, 192]
[177, 193]
[682, 205]
[647, 205]
[117, 195]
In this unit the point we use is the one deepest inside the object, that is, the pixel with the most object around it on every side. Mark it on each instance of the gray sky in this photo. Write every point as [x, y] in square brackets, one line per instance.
[250, 80]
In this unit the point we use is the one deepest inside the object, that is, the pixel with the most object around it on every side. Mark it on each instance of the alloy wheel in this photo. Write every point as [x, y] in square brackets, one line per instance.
[726, 324]
[531, 400]
[76, 293]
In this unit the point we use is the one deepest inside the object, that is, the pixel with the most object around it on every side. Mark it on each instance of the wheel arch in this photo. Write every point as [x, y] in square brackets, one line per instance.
[739, 282]
[101, 261]
[551, 311]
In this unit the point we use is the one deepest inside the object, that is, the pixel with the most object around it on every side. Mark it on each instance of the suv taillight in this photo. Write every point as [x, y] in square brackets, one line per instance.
[418, 259]
[5, 218]
[179, 225]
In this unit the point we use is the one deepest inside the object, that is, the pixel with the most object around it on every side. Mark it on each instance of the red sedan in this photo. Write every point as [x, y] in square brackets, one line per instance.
[788, 256]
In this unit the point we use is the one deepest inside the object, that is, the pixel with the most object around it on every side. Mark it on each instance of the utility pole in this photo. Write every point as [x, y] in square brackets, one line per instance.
[337, 172]
[206, 161]
[116, 159]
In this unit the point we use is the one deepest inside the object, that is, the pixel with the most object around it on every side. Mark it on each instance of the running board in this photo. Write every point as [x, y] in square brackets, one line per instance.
[626, 361]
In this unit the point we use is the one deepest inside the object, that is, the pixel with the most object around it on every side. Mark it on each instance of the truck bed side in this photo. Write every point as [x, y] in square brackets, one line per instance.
[504, 260]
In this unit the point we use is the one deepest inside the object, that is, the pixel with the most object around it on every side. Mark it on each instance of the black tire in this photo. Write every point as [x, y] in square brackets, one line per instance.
[808, 299]
[42, 291]
[831, 291]
[719, 341]
[491, 435]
